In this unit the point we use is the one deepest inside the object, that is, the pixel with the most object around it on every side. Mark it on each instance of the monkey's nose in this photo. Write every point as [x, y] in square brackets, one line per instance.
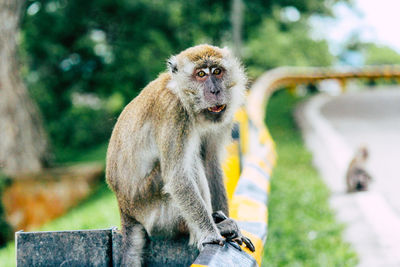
[215, 91]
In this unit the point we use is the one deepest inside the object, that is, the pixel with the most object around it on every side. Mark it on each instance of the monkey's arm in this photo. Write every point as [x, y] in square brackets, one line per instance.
[226, 226]
[186, 196]
[212, 166]
[180, 175]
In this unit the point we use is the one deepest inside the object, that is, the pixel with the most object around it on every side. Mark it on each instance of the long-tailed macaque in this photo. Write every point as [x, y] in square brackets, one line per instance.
[163, 159]
[357, 177]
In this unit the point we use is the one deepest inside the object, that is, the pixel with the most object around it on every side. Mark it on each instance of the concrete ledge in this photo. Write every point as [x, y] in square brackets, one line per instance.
[103, 248]
[95, 248]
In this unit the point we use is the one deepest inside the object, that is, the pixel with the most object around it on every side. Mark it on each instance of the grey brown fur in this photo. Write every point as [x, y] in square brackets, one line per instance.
[163, 159]
[357, 177]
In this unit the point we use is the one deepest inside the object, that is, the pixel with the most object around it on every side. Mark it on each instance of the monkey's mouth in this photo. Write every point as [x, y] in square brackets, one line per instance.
[217, 109]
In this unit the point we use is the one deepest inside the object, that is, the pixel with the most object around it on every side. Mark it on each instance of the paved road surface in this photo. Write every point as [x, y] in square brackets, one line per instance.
[333, 128]
[372, 118]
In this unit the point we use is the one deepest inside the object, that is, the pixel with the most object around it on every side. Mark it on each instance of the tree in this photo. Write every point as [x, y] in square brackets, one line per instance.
[237, 21]
[380, 55]
[272, 47]
[23, 142]
[110, 49]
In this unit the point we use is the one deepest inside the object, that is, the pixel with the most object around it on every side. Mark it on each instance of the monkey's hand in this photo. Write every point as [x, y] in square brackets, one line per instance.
[230, 230]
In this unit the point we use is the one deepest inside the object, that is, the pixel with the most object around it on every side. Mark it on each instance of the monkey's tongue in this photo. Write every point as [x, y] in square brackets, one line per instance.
[217, 109]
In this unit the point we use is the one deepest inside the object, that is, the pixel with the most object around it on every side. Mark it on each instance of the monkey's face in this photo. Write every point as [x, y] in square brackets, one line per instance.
[212, 91]
[209, 81]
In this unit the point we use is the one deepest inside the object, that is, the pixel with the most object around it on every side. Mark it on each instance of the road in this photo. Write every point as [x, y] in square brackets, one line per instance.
[372, 118]
[333, 128]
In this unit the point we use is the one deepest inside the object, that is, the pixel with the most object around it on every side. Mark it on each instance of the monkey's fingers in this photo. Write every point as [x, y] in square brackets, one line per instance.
[249, 244]
[230, 235]
[238, 240]
[216, 242]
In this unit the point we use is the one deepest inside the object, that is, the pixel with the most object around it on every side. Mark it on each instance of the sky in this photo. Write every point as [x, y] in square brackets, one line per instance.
[375, 21]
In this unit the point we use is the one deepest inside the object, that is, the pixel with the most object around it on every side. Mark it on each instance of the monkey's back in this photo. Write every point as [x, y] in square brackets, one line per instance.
[133, 158]
[133, 151]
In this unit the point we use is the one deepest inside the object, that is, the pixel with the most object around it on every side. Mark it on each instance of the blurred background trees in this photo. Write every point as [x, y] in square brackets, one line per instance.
[84, 60]
[23, 141]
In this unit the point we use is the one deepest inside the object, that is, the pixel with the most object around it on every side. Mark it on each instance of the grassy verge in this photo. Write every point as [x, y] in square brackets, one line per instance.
[302, 230]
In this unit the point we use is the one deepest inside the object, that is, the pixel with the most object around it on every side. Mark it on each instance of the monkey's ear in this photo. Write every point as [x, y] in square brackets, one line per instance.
[172, 64]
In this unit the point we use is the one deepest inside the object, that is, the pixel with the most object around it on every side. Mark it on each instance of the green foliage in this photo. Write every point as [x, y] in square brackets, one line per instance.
[71, 156]
[380, 55]
[112, 49]
[272, 47]
[5, 228]
[302, 230]
[81, 127]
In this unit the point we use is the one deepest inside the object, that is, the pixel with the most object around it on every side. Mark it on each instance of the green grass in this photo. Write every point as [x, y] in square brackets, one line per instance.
[302, 229]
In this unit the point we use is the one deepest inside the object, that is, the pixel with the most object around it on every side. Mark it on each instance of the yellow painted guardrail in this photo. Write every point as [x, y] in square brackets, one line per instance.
[289, 77]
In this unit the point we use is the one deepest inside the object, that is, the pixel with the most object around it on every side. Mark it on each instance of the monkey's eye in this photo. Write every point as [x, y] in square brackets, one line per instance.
[217, 71]
[201, 73]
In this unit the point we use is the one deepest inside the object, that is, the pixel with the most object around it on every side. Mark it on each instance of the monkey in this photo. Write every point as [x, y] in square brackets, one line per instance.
[357, 177]
[164, 154]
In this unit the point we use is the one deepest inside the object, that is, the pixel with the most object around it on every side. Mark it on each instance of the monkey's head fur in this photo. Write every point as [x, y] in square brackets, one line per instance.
[209, 81]
[362, 153]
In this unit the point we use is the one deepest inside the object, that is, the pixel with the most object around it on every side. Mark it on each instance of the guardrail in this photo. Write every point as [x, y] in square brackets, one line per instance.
[277, 78]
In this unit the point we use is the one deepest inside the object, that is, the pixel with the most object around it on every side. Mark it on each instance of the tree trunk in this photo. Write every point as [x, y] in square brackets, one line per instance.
[23, 141]
[237, 21]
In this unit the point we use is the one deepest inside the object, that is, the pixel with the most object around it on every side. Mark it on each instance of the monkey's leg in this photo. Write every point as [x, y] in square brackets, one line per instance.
[133, 241]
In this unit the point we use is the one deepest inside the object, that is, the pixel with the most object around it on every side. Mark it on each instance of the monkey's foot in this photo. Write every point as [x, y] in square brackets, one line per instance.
[211, 239]
[229, 229]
